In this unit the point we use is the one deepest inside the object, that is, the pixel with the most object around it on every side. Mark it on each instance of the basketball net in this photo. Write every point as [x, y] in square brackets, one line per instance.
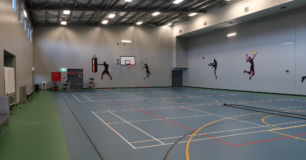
[128, 65]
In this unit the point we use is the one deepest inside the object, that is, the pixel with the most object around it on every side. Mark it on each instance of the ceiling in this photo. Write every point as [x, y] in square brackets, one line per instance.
[92, 12]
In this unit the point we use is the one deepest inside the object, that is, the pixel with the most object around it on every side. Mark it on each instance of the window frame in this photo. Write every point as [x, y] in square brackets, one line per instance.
[14, 5]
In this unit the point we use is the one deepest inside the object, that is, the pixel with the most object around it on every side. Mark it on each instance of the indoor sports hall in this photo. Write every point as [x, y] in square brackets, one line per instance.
[152, 80]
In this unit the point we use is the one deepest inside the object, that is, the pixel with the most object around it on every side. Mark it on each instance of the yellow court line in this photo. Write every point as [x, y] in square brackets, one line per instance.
[164, 100]
[188, 143]
[279, 128]
[288, 135]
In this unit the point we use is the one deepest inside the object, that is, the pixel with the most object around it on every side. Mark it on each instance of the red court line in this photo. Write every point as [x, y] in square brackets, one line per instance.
[166, 120]
[180, 108]
[200, 132]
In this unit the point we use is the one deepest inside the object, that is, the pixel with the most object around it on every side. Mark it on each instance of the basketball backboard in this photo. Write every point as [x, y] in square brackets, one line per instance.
[124, 60]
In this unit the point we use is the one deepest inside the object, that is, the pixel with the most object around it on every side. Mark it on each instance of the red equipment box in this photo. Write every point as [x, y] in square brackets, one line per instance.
[56, 76]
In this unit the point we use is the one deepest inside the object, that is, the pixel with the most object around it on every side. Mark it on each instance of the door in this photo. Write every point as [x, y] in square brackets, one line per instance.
[177, 78]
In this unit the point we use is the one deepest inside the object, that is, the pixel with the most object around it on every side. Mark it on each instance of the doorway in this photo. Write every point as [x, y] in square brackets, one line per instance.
[177, 78]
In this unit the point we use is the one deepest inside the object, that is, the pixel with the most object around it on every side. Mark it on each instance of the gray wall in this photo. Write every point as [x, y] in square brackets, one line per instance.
[14, 39]
[281, 44]
[73, 47]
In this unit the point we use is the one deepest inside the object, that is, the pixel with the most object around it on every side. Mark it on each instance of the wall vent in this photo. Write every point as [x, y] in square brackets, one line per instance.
[246, 9]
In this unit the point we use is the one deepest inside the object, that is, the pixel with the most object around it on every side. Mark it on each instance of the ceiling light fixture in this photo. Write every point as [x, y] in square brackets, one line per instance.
[128, 0]
[192, 14]
[126, 41]
[104, 21]
[112, 15]
[139, 23]
[231, 35]
[155, 13]
[63, 22]
[67, 12]
[169, 24]
[177, 1]
[25, 14]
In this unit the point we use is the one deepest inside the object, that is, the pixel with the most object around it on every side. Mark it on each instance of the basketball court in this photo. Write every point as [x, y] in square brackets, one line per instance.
[157, 123]
[152, 80]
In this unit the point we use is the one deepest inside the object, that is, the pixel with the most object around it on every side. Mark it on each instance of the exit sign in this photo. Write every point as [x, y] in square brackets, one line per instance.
[63, 69]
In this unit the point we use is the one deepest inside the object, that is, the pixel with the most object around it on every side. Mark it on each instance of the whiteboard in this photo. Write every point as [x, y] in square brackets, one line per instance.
[9, 78]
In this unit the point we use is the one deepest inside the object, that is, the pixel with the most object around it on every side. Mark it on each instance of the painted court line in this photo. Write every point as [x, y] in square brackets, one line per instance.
[233, 145]
[87, 98]
[166, 120]
[159, 119]
[224, 116]
[224, 132]
[76, 97]
[113, 129]
[136, 127]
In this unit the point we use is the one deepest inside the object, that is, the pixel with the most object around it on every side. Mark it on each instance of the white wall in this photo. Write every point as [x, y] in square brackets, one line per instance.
[73, 47]
[14, 39]
[219, 17]
[281, 44]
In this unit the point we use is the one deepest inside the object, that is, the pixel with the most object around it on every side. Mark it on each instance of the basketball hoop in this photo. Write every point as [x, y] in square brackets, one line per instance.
[128, 65]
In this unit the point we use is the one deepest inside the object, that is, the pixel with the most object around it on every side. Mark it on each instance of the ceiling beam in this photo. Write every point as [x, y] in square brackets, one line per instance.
[121, 18]
[109, 9]
[210, 4]
[81, 17]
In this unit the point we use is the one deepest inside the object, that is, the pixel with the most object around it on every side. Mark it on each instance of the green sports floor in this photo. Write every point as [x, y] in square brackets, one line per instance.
[35, 132]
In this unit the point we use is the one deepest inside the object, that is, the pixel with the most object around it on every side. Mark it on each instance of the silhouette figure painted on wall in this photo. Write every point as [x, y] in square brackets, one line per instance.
[214, 66]
[303, 78]
[252, 69]
[105, 70]
[145, 66]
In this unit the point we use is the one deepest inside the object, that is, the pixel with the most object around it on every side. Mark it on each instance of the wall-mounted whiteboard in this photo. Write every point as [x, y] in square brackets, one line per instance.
[9, 78]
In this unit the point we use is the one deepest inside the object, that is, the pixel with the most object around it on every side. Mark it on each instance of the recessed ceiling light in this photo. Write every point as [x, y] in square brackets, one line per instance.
[169, 24]
[128, 0]
[192, 14]
[112, 15]
[139, 23]
[104, 21]
[228, 0]
[231, 35]
[177, 1]
[63, 22]
[126, 41]
[155, 13]
[25, 14]
[67, 12]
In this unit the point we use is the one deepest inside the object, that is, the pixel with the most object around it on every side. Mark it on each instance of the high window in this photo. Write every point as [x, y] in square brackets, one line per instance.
[25, 24]
[14, 5]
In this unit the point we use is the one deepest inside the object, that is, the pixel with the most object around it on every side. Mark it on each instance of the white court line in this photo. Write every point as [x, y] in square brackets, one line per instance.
[76, 97]
[208, 138]
[87, 98]
[113, 129]
[221, 131]
[159, 119]
[225, 116]
[137, 128]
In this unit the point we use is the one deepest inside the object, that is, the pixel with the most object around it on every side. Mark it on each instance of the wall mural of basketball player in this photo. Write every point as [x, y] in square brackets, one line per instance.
[214, 66]
[145, 66]
[303, 78]
[105, 70]
[251, 61]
